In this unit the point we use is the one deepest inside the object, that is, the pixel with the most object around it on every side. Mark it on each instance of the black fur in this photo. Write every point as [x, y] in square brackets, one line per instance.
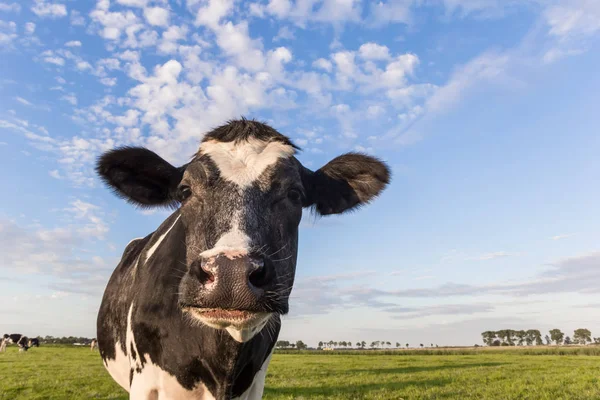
[243, 129]
[140, 176]
[345, 183]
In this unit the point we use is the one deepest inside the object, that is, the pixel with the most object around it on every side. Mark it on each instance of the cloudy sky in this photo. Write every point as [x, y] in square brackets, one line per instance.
[487, 111]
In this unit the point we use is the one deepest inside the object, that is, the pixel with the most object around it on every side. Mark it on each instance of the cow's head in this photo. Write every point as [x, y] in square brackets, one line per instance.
[240, 203]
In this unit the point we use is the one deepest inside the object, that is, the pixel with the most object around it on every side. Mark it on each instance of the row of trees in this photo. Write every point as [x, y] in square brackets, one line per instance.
[284, 344]
[64, 339]
[361, 345]
[510, 337]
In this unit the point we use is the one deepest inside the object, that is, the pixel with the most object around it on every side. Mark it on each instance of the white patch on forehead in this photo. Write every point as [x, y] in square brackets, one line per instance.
[152, 249]
[233, 243]
[243, 162]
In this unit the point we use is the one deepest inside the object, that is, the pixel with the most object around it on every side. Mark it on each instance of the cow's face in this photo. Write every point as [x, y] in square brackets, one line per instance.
[240, 203]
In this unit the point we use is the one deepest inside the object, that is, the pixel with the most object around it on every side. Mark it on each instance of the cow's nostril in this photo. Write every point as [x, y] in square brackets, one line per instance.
[258, 277]
[202, 272]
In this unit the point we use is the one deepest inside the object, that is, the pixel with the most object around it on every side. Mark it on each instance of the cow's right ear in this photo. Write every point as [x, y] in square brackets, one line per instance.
[140, 176]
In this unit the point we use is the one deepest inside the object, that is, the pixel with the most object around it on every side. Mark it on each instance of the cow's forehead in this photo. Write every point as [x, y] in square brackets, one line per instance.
[243, 162]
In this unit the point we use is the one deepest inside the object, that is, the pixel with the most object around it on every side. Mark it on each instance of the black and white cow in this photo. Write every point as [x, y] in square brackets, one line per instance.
[20, 340]
[193, 310]
[34, 342]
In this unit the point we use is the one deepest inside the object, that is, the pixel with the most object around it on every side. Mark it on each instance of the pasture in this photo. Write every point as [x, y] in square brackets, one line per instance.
[68, 372]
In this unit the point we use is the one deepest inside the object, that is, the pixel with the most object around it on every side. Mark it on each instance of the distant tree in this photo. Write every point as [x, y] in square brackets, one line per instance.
[534, 335]
[557, 336]
[397, 344]
[421, 345]
[321, 344]
[496, 342]
[521, 336]
[597, 340]
[547, 339]
[292, 345]
[582, 336]
[431, 345]
[568, 340]
[358, 345]
[407, 345]
[388, 344]
[372, 344]
[488, 337]
[363, 344]
[300, 345]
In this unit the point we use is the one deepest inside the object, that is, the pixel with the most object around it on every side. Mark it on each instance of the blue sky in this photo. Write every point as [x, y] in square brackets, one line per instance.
[486, 111]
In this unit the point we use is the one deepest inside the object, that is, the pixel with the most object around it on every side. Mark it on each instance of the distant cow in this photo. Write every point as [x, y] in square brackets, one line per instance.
[34, 342]
[20, 340]
[193, 310]
[93, 344]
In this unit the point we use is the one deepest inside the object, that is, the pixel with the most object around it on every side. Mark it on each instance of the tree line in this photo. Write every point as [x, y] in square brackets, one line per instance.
[510, 337]
[379, 344]
[64, 340]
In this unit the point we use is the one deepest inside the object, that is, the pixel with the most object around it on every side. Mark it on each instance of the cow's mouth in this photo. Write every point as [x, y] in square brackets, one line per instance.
[223, 318]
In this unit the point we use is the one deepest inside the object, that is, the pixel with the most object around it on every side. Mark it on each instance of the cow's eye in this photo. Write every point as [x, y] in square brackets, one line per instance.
[294, 195]
[183, 192]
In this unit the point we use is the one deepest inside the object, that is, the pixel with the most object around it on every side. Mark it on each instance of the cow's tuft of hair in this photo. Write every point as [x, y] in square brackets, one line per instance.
[244, 129]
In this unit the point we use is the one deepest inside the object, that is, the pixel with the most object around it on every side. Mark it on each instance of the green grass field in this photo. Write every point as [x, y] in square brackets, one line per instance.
[76, 373]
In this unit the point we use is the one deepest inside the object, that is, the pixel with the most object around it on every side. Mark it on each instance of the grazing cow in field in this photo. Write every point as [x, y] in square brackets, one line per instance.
[93, 344]
[34, 342]
[20, 340]
[193, 310]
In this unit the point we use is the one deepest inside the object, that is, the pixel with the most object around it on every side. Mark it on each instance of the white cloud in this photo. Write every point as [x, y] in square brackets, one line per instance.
[10, 7]
[77, 19]
[29, 28]
[73, 43]
[382, 13]
[70, 98]
[133, 3]
[8, 32]
[374, 51]
[113, 23]
[573, 18]
[24, 101]
[323, 64]
[375, 111]
[55, 174]
[157, 16]
[564, 236]
[108, 81]
[212, 13]
[43, 8]
[284, 33]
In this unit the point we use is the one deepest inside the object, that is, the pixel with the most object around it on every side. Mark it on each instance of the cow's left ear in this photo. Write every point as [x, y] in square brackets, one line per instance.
[345, 183]
[140, 176]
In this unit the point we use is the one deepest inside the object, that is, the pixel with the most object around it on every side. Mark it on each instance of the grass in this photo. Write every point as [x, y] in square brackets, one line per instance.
[51, 372]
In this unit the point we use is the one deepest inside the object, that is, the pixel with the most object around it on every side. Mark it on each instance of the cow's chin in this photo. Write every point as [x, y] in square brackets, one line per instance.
[242, 325]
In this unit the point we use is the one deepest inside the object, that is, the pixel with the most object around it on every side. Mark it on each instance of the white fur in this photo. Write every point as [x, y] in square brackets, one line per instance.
[153, 382]
[152, 249]
[244, 334]
[243, 162]
[256, 389]
[119, 367]
[232, 243]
